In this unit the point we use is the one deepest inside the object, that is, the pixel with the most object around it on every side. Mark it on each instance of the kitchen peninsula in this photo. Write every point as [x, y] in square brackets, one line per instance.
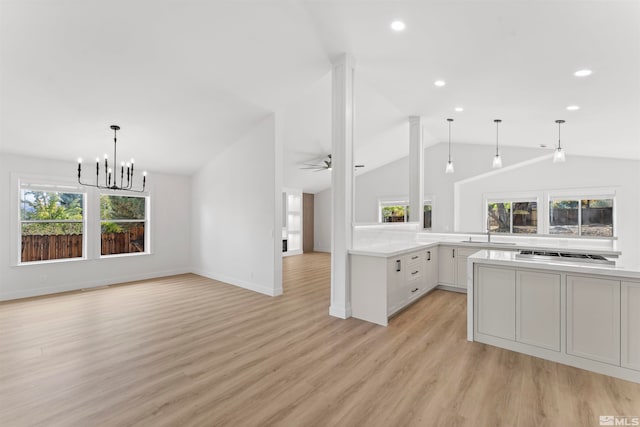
[583, 315]
[387, 274]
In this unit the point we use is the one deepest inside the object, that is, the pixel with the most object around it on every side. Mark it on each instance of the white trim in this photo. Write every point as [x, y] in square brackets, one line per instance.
[44, 183]
[147, 222]
[50, 290]
[393, 201]
[256, 287]
[340, 311]
[91, 221]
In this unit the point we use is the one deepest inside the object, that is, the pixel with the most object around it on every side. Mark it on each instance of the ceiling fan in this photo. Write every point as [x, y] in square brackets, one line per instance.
[324, 164]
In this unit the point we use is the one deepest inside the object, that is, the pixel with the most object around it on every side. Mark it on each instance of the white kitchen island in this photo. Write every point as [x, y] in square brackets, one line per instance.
[578, 314]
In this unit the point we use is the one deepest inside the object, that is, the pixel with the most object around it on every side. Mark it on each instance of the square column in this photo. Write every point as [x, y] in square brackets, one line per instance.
[341, 185]
[416, 171]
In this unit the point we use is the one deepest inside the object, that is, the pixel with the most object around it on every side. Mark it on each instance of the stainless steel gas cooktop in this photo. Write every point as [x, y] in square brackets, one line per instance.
[563, 257]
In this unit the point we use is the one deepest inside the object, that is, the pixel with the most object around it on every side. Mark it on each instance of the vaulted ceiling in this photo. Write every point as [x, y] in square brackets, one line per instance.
[184, 79]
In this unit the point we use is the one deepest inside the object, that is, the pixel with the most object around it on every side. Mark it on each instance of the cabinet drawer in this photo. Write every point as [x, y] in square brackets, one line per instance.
[414, 272]
[415, 288]
[415, 257]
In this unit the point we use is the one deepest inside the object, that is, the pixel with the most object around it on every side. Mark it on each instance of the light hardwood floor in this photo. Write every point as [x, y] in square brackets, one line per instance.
[186, 350]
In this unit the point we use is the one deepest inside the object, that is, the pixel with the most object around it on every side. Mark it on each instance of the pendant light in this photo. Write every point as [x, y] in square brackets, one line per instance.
[558, 156]
[449, 168]
[497, 160]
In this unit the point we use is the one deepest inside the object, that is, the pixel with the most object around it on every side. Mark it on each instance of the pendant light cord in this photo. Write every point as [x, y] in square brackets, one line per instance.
[497, 150]
[559, 146]
[449, 120]
[559, 122]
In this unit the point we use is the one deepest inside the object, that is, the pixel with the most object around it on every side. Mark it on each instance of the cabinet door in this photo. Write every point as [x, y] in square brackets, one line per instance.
[395, 285]
[462, 255]
[593, 318]
[538, 309]
[495, 296]
[431, 269]
[630, 325]
[447, 265]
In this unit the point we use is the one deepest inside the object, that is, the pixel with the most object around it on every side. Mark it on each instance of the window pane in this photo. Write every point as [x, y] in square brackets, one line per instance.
[525, 217]
[597, 217]
[51, 240]
[427, 216]
[43, 205]
[122, 207]
[499, 215]
[122, 237]
[563, 217]
[393, 213]
[45, 237]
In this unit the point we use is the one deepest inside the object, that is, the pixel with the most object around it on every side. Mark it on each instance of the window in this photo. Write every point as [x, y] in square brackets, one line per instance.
[581, 217]
[397, 211]
[123, 222]
[428, 209]
[519, 217]
[51, 224]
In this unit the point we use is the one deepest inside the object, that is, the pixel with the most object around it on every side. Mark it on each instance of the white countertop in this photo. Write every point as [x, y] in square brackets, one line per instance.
[387, 250]
[392, 249]
[508, 258]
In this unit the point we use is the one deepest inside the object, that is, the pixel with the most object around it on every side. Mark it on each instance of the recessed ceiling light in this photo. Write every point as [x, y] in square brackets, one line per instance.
[582, 73]
[398, 26]
[573, 107]
[543, 145]
[459, 109]
[439, 83]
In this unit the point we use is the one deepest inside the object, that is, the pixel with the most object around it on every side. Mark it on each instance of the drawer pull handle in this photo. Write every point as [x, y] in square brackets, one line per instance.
[398, 265]
[428, 255]
[414, 290]
[415, 272]
[414, 257]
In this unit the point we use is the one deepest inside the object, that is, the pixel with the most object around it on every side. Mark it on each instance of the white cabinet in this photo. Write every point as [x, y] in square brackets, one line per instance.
[431, 269]
[630, 301]
[495, 295]
[395, 285]
[462, 254]
[381, 286]
[538, 309]
[593, 318]
[414, 275]
[447, 265]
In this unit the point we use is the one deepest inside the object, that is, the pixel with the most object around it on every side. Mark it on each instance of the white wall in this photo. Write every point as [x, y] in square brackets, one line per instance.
[170, 202]
[237, 213]
[322, 221]
[578, 173]
[392, 180]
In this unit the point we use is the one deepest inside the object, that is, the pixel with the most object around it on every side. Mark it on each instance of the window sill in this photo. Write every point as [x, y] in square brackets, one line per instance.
[133, 254]
[49, 261]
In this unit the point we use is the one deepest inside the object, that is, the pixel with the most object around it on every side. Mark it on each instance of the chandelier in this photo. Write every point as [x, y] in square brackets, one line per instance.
[110, 176]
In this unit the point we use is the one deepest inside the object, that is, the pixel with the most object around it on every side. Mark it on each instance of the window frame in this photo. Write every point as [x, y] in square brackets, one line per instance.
[28, 182]
[399, 201]
[511, 201]
[427, 201]
[579, 196]
[544, 197]
[91, 249]
[146, 221]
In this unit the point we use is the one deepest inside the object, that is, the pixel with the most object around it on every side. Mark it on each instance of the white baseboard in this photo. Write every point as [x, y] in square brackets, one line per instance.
[256, 287]
[340, 311]
[49, 290]
[321, 249]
